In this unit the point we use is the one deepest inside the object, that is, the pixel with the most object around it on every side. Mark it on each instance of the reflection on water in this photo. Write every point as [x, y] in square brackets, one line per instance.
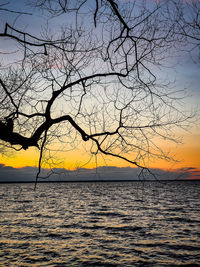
[100, 224]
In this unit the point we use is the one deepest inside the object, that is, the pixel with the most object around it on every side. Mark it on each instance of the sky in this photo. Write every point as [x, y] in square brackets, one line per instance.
[23, 165]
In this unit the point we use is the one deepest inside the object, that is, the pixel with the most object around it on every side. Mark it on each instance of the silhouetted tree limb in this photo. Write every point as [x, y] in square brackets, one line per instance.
[93, 80]
[187, 16]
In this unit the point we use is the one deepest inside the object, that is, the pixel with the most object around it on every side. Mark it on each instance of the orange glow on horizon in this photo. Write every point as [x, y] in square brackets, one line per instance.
[188, 154]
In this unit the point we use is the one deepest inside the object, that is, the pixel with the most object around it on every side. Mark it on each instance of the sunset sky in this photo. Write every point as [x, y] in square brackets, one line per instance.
[185, 74]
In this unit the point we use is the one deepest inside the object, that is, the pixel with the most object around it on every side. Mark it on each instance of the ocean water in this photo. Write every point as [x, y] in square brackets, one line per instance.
[100, 224]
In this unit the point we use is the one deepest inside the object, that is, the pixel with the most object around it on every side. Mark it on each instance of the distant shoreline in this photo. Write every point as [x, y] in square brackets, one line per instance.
[99, 181]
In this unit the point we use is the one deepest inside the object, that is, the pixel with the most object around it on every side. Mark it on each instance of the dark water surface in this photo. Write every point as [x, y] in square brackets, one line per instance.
[100, 224]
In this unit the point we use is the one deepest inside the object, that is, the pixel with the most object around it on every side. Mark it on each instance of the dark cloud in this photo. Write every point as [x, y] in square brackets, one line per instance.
[28, 174]
[187, 169]
[10, 174]
[190, 172]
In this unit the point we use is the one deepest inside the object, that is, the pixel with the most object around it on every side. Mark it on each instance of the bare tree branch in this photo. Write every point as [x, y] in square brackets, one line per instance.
[93, 82]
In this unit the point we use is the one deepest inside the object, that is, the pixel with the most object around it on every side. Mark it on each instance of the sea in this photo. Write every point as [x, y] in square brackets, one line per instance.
[100, 224]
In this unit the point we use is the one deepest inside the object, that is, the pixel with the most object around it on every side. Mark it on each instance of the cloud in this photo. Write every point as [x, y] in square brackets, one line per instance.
[10, 174]
[187, 169]
[190, 172]
[104, 173]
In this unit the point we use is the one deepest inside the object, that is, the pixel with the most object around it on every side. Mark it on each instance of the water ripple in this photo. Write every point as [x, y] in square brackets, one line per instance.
[100, 224]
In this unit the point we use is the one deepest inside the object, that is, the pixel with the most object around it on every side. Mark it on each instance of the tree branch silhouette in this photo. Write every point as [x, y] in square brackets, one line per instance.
[93, 80]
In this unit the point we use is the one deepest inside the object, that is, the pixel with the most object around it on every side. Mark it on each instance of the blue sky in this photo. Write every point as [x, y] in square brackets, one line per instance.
[185, 74]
